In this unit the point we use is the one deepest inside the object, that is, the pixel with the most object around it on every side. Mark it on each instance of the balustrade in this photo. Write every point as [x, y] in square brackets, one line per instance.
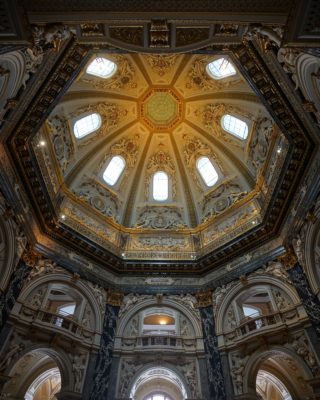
[250, 324]
[161, 341]
[56, 321]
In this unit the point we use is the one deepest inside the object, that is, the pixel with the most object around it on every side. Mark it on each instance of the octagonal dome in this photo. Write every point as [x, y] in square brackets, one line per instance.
[170, 163]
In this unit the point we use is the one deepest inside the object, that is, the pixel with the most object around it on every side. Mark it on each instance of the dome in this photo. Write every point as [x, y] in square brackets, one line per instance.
[160, 159]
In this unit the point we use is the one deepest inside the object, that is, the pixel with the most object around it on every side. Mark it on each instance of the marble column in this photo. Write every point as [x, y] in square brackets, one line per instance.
[101, 378]
[309, 300]
[214, 366]
[10, 295]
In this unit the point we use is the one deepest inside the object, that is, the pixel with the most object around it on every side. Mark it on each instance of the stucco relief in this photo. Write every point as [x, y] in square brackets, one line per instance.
[99, 197]
[260, 143]
[159, 243]
[193, 149]
[124, 78]
[61, 140]
[211, 114]
[161, 64]
[160, 217]
[111, 114]
[199, 78]
[220, 199]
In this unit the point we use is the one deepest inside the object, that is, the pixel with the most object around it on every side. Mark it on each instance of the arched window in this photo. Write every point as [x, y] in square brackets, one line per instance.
[160, 186]
[86, 125]
[220, 68]
[102, 68]
[235, 126]
[114, 170]
[207, 171]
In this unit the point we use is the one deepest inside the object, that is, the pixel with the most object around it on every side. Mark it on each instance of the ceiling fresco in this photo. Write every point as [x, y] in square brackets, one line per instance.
[160, 113]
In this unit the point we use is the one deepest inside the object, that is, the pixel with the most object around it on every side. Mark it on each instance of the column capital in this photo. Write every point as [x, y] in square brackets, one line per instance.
[30, 256]
[114, 298]
[204, 299]
[288, 259]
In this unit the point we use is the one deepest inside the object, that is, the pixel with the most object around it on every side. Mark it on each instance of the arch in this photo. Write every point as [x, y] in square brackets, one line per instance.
[259, 357]
[37, 359]
[150, 302]
[79, 286]
[256, 281]
[165, 366]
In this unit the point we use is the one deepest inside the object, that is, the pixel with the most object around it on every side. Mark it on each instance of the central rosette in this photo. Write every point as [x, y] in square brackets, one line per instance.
[161, 109]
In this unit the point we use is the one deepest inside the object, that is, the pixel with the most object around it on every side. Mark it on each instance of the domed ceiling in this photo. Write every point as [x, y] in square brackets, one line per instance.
[160, 113]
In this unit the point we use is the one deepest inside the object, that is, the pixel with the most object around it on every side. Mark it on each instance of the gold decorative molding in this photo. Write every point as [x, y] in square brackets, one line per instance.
[204, 299]
[30, 257]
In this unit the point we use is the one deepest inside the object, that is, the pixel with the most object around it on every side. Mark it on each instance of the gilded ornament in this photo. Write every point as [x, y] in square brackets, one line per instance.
[114, 298]
[204, 299]
[288, 259]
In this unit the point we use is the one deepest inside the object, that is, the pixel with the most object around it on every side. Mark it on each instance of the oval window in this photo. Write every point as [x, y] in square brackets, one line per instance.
[86, 125]
[102, 68]
[114, 170]
[207, 171]
[160, 186]
[235, 126]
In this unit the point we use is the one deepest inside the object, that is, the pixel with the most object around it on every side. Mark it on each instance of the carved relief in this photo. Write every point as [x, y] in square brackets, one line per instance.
[186, 36]
[189, 370]
[219, 294]
[159, 33]
[160, 161]
[127, 34]
[159, 243]
[260, 143]
[199, 78]
[124, 78]
[273, 268]
[61, 140]
[130, 300]
[301, 346]
[160, 217]
[161, 64]
[99, 197]
[237, 370]
[220, 199]
[100, 295]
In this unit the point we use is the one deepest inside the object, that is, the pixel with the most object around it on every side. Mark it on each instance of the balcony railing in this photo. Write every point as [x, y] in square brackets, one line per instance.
[161, 341]
[56, 321]
[250, 324]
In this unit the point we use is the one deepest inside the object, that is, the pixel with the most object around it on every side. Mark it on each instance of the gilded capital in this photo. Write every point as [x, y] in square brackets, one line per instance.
[288, 259]
[204, 299]
[30, 257]
[114, 298]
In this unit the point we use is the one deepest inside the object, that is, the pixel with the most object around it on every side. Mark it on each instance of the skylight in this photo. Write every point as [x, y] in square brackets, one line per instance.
[86, 125]
[235, 126]
[102, 68]
[114, 170]
[207, 171]
[160, 186]
[221, 68]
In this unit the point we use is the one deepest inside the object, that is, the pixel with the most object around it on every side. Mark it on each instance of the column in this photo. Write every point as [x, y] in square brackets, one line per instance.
[9, 297]
[311, 304]
[213, 361]
[101, 376]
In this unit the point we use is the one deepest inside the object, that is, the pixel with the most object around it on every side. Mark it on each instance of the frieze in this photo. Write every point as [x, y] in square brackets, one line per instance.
[127, 34]
[160, 217]
[159, 243]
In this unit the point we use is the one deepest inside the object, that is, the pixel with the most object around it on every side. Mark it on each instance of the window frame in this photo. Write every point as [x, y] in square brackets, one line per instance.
[153, 186]
[216, 77]
[81, 136]
[119, 174]
[97, 75]
[204, 180]
[239, 118]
